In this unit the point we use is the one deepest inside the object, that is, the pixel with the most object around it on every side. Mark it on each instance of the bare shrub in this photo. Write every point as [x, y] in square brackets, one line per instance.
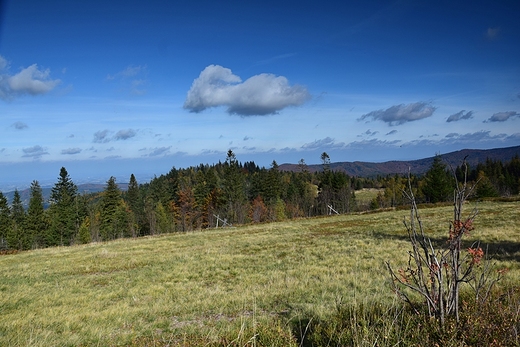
[437, 273]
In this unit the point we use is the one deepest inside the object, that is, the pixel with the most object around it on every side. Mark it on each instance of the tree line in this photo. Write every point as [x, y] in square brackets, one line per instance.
[222, 194]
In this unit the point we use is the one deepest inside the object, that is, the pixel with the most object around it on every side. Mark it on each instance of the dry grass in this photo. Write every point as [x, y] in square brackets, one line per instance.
[220, 287]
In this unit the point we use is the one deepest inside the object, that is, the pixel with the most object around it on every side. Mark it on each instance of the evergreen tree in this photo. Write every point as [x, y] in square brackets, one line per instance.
[438, 185]
[234, 184]
[485, 188]
[63, 211]
[133, 194]
[5, 221]
[84, 235]
[110, 204]
[273, 185]
[15, 235]
[36, 221]
[136, 206]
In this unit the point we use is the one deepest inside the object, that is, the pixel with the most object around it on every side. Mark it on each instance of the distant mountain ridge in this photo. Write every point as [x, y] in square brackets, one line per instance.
[420, 166]
[357, 168]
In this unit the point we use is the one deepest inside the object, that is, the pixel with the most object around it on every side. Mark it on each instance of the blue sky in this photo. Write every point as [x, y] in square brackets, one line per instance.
[119, 87]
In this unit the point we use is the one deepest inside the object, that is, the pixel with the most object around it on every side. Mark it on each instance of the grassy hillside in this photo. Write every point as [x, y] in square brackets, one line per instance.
[251, 285]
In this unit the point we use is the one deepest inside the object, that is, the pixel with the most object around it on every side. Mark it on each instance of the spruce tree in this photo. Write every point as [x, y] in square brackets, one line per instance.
[110, 207]
[63, 211]
[36, 221]
[136, 206]
[5, 221]
[133, 193]
[438, 185]
[234, 182]
[15, 235]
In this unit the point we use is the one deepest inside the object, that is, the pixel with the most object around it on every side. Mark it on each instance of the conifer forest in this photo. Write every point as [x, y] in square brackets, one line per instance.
[223, 195]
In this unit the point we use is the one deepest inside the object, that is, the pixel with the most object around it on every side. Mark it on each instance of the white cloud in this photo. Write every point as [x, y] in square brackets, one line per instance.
[124, 134]
[30, 80]
[400, 114]
[34, 152]
[502, 116]
[326, 142]
[101, 136]
[71, 151]
[259, 95]
[159, 151]
[459, 116]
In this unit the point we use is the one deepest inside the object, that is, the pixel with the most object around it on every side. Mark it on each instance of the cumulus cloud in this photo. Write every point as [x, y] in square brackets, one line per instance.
[259, 95]
[124, 134]
[459, 116]
[19, 125]
[34, 152]
[71, 151]
[30, 80]
[400, 114]
[502, 116]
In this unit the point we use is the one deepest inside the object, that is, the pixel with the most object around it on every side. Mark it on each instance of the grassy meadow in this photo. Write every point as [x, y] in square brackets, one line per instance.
[254, 285]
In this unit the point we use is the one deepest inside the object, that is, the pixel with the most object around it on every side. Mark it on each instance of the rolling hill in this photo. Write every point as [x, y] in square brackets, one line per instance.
[420, 166]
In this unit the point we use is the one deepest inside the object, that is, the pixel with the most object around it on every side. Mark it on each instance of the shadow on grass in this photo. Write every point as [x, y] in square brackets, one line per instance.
[499, 250]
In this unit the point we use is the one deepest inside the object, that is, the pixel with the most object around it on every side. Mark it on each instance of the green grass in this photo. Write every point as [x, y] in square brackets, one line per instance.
[251, 285]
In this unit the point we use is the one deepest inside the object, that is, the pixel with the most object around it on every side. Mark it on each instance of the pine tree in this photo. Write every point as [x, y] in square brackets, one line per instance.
[36, 221]
[5, 221]
[63, 211]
